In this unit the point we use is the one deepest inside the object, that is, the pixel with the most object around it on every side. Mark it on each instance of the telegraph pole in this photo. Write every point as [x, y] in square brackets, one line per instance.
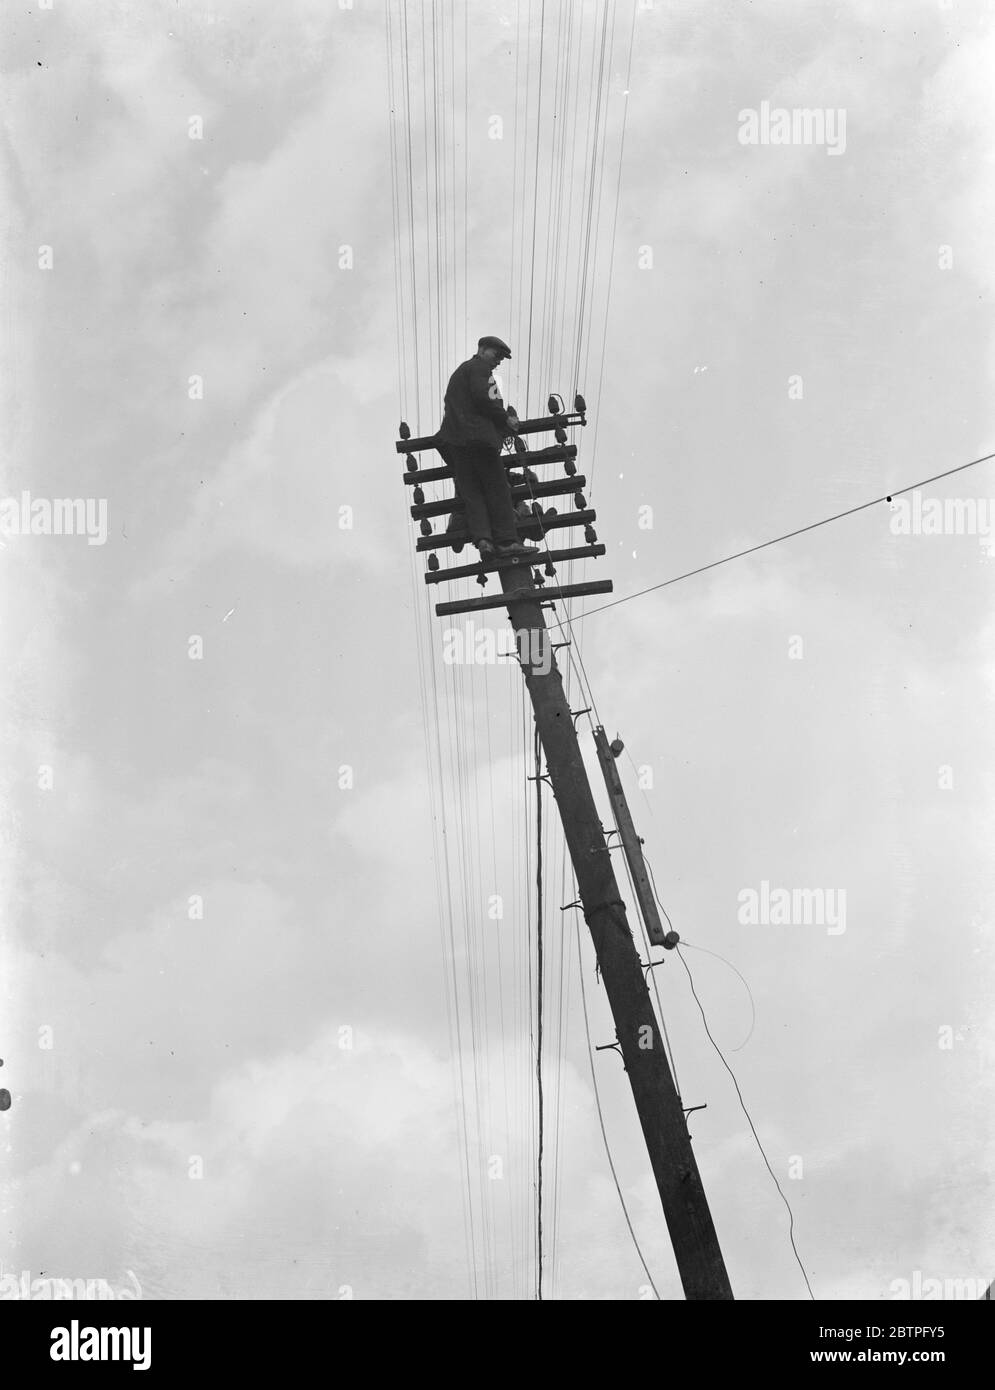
[696, 1246]
[664, 1125]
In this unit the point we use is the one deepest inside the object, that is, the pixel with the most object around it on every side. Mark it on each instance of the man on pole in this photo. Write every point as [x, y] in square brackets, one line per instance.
[474, 427]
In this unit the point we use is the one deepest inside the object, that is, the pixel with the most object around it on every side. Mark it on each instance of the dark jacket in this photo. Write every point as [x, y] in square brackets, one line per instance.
[474, 412]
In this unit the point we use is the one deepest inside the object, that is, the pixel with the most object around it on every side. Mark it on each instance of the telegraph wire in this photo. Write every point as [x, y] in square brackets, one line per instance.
[535, 202]
[601, 1118]
[431, 701]
[601, 155]
[788, 535]
[694, 947]
[711, 1039]
[430, 274]
[611, 255]
[708, 1034]
[590, 207]
[539, 983]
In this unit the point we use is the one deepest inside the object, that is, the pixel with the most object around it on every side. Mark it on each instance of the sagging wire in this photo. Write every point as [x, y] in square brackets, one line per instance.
[739, 1093]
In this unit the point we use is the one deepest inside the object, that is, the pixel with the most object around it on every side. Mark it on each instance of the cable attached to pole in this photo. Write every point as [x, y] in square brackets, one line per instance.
[538, 781]
[788, 535]
[749, 1120]
[601, 1118]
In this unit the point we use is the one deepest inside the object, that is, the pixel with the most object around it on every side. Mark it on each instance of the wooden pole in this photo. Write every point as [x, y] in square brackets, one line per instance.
[696, 1247]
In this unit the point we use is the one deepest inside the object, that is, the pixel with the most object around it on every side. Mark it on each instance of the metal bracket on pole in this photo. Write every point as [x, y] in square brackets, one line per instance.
[602, 907]
[689, 1110]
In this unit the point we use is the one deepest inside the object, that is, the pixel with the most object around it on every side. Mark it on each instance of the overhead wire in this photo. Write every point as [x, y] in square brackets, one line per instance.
[695, 947]
[715, 1045]
[555, 186]
[452, 1025]
[431, 700]
[473, 992]
[468, 827]
[611, 253]
[428, 334]
[539, 1010]
[601, 1117]
[787, 536]
[442, 333]
[600, 161]
[592, 165]
[739, 1093]
[535, 204]
[722, 1056]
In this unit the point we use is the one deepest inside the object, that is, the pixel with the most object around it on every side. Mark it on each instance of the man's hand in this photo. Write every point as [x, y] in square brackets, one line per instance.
[513, 422]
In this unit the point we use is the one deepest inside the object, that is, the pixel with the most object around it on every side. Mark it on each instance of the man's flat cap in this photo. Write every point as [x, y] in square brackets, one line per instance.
[496, 343]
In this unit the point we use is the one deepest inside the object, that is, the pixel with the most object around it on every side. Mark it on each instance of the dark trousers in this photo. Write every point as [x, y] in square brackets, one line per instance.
[482, 483]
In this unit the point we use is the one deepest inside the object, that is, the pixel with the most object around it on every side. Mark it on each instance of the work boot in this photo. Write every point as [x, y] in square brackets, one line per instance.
[486, 549]
[517, 548]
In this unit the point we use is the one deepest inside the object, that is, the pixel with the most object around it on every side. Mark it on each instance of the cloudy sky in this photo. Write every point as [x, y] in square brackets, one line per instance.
[252, 823]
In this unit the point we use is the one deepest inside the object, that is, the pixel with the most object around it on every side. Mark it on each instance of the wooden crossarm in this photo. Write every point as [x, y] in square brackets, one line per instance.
[527, 595]
[578, 552]
[529, 528]
[556, 453]
[536, 426]
[521, 492]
